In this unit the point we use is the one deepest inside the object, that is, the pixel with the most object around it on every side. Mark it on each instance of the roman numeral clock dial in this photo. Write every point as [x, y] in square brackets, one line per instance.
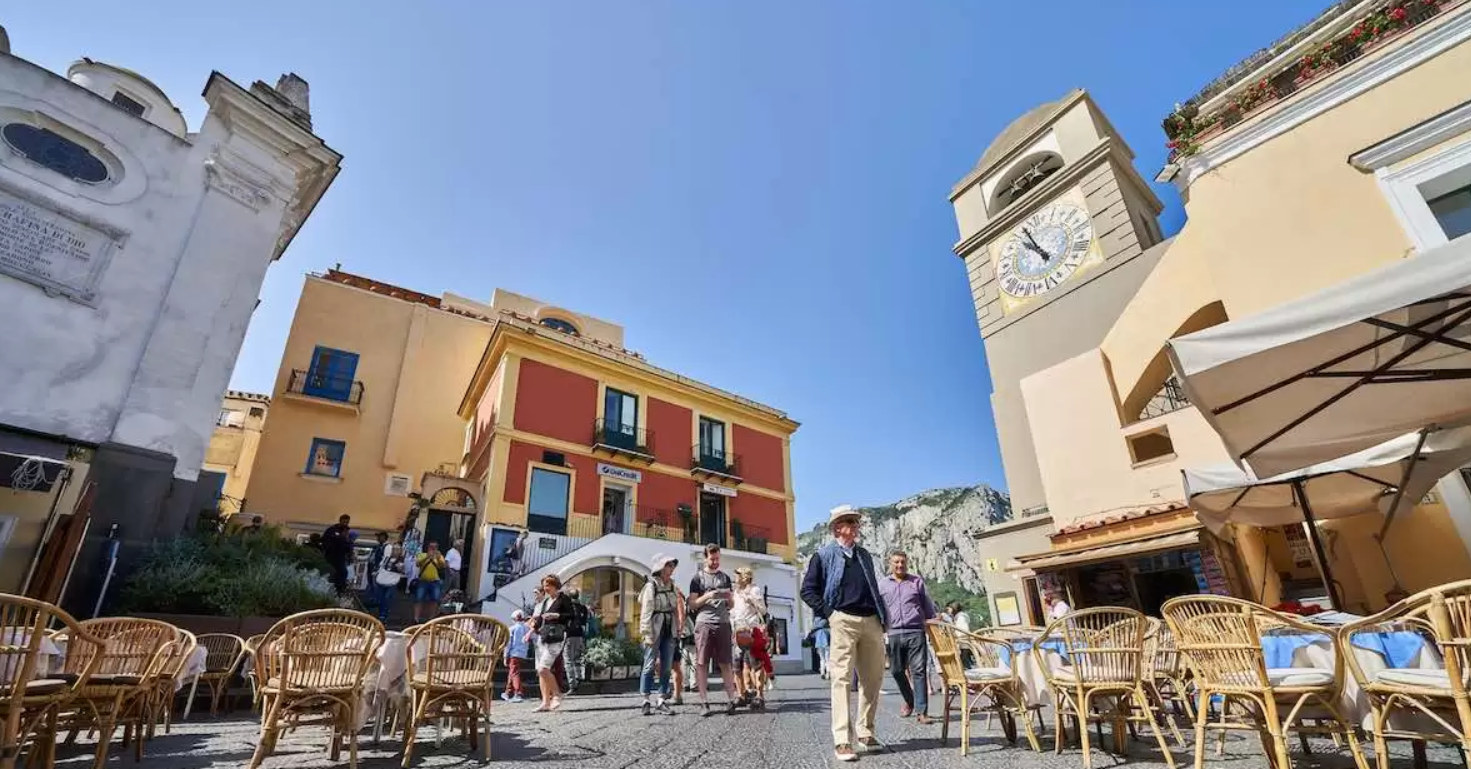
[1044, 250]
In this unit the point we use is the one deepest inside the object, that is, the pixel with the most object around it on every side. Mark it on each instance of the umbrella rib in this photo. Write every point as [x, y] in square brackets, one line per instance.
[1394, 361]
[1398, 377]
[1370, 479]
[1335, 361]
[1436, 336]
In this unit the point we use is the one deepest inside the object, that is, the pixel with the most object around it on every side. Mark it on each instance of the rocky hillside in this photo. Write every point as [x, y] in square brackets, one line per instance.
[934, 527]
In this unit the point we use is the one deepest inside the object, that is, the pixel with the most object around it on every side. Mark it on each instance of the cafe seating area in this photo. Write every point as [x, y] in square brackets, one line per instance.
[1213, 665]
[128, 680]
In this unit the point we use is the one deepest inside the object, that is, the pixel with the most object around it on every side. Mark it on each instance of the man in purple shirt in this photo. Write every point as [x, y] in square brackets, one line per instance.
[909, 607]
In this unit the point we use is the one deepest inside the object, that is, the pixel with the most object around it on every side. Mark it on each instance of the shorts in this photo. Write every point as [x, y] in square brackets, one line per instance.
[547, 655]
[713, 642]
[428, 592]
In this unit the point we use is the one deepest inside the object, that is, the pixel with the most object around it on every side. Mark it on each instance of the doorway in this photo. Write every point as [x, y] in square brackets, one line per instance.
[446, 528]
[1156, 587]
[617, 512]
[712, 518]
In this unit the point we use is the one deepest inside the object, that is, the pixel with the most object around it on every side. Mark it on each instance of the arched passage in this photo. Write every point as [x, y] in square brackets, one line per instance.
[1157, 393]
[611, 595]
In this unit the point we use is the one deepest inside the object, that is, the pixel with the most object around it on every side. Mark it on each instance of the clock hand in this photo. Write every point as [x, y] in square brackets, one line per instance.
[1042, 252]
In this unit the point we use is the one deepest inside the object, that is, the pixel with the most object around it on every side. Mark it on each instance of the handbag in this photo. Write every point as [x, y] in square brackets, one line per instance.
[744, 638]
[553, 634]
[387, 578]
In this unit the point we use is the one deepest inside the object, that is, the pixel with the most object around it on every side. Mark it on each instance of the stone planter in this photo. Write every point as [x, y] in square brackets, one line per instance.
[199, 624]
[601, 674]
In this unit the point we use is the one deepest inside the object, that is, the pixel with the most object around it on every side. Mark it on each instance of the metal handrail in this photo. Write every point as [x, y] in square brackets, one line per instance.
[622, 437]
[715, 460]
[317, 384]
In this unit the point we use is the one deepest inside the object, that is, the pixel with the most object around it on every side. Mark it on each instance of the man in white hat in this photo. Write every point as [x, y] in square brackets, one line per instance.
[841, 585]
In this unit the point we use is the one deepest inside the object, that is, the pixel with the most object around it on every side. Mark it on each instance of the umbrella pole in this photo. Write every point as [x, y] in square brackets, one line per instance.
[1311, 524]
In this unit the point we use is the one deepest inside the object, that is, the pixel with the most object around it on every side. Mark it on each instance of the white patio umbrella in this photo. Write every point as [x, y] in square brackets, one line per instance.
[1342, 370]
[1390, 478]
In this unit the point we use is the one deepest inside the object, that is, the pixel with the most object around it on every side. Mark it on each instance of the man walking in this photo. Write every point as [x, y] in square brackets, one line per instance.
[452, 561]
[576, 638]
[908, 606]
[710, 596]
[337, 548]
[842, 586]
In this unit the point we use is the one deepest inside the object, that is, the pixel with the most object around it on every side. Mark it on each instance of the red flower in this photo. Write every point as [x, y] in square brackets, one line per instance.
[1397, 14]
[1173, 143]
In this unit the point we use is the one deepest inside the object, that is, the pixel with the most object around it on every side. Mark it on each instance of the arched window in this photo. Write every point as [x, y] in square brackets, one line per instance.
[1024, 176]
[557, 324]
[611, 594]
[47, 148]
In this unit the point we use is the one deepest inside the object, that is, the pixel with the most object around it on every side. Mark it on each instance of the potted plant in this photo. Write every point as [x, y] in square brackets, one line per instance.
[601, 656]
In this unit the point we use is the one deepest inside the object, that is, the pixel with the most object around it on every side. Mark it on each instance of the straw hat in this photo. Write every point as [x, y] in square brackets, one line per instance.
[661, 560]
[843, 512]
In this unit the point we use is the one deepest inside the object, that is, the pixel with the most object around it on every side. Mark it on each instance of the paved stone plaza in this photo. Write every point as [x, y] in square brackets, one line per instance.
[606, 732]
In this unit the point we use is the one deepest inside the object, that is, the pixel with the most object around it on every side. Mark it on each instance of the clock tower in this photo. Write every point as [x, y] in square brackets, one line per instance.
[1057, 231]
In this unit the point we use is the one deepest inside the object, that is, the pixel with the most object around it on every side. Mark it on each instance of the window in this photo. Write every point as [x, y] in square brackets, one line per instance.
[257, 412]
[230, 418]
[557, 324]
[779, 636]
[620, 412]
[1453, 211]
[712, 438]
[1154, 444]
[548, 500]
[325, 458]
[331, 374]
[54, 151]
[128, 104]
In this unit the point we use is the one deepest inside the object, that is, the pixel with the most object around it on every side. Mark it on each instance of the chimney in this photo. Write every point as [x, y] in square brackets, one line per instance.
[296, 91]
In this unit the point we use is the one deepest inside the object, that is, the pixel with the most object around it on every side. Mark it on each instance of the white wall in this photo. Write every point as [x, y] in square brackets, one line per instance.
[188, 227]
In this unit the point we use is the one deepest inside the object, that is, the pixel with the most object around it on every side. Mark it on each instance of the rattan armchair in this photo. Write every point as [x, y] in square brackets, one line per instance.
[252, 650]
[989, 683]
[32, 692]
[1103, 680]
[125, 671]
[1429, 704]
[453, 677]
[224, 654]
[314, 675]
[161, 700]
[1222, 639]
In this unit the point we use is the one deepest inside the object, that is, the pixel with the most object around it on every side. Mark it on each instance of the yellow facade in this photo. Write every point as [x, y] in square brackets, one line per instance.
[1276, 211]
[413, 362]
[234, 444]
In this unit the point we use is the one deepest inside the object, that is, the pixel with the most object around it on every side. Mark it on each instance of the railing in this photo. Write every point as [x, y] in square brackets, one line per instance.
[713, 460]
[317, 384]
[621, 437]
[669, 525]
[1171, 397]
[752, 539]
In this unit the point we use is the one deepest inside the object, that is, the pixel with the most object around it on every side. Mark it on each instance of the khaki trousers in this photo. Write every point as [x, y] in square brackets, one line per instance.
[856, 641]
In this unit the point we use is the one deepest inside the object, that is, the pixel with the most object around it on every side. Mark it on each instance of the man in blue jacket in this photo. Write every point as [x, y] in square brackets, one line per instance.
[841, 586]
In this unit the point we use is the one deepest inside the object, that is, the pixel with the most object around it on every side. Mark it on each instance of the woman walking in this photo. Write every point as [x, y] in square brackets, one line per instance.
[748, 620]
[658, 624]
[822, 640]
[550, 618]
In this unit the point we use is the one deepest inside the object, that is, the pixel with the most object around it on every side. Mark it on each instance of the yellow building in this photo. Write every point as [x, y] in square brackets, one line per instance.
[1337, 151]
[364, 403]
[233, 446]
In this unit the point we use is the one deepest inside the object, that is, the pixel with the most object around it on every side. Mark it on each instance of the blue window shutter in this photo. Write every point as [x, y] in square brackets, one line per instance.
[331, 373]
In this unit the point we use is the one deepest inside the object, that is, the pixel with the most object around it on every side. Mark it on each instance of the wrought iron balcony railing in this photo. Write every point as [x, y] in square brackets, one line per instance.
[1171, 397]
[748, 537]
[708, 459]
[318, 384]
[622, 438]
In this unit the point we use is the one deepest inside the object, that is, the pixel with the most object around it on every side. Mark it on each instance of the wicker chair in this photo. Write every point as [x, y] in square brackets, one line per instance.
[989, 684]
[128, 663]
[31, 693]
[252, 649]
[225, 652]
[165, 688]
[453, 678]
[1165, 677]
[314, 675]
[1222, 638]
[1103, 681]
[1434, 702]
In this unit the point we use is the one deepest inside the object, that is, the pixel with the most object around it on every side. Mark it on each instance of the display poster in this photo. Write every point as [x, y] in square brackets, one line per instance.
[1008, 610]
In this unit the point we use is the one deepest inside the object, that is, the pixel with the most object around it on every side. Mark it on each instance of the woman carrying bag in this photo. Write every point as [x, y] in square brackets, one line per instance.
[550, 619]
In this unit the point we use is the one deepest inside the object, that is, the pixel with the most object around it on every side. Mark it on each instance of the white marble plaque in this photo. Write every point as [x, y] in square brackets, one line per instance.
[50, 249]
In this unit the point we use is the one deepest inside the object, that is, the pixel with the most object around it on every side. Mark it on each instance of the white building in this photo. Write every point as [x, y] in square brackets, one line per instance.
[132, 251]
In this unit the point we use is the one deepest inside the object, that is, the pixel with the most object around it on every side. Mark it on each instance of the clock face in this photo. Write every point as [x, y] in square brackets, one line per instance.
[1044, 251]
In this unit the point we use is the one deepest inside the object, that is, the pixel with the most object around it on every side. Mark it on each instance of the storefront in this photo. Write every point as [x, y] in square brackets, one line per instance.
[1137, 561]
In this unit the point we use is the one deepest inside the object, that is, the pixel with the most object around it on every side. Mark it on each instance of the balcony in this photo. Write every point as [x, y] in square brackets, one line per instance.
[317, 387]
[1170, 398]
[710, 462]
[616, 439]
[751, 539]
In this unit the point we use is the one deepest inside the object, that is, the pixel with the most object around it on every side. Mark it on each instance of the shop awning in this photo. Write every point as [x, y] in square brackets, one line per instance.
[1350, 367]
[1111, 552]
[1390, 478]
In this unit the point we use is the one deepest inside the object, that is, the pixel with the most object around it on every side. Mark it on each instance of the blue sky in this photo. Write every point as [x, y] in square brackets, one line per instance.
[755, 190]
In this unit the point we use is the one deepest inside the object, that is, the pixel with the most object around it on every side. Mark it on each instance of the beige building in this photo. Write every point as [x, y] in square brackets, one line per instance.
[1334, 152]
[233, 446]
[364, 403]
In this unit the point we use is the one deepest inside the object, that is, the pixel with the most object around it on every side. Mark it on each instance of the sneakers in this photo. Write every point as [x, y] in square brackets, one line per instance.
[517, 698]
[730, 708]
[869, 745]
[647, 709]
[845, 753]
[663, 707]
[506, 696]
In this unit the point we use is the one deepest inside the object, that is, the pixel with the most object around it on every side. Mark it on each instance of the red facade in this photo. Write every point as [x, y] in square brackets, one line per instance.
[761, 458]
[670, 426]
[768, 515]
[555, 402]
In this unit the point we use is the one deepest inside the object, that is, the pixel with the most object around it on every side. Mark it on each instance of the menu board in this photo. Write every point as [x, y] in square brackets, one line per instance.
[1302, 549]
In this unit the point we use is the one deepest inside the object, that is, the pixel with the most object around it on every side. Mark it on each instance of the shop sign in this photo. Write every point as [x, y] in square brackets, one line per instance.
[620, 473]
[724, 491]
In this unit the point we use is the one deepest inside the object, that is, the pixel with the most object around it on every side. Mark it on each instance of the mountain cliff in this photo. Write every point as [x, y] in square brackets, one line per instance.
[935, 528]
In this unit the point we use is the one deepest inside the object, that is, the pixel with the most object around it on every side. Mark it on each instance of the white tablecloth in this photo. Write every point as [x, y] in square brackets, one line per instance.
[51, 655]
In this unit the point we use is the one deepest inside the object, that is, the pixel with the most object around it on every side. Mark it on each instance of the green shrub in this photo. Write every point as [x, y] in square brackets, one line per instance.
[603, 653]
[230, 575]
